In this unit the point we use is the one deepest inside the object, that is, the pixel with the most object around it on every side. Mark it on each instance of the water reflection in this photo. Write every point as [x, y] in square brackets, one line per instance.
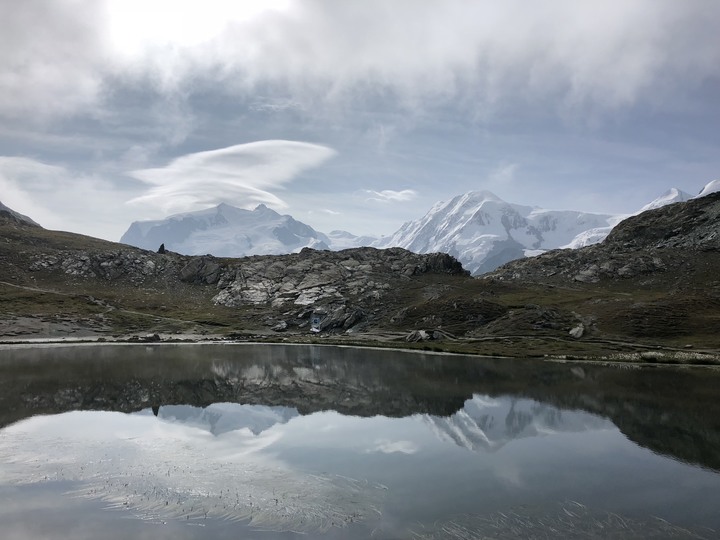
[220, 418]
[268, 466]
[320, 440]
[487, 424]
[176, 467]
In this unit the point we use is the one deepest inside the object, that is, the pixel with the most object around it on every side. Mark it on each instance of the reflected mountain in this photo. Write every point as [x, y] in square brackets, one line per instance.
[673, 411]
[220, 418]
[487, 424]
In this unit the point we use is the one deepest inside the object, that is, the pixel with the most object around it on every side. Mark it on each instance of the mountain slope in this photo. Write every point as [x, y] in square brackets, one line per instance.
[17, 215]
[663, 261]
[482, 231]
[226, 231]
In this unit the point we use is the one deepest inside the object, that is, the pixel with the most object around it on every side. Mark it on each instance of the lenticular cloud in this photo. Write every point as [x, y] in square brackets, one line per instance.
[241, 174]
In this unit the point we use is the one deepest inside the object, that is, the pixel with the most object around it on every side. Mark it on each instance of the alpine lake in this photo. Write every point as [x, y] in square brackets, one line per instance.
[233, 441]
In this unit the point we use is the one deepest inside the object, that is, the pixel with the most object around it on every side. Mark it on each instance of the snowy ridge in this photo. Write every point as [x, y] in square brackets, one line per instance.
[226, 231]
[482, 231]
[710, 187]
[671, 196]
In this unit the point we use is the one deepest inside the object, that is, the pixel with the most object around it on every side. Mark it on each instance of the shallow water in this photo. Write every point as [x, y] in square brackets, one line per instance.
[240, 441]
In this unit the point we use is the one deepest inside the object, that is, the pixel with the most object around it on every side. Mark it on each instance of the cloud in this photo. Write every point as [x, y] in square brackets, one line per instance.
[388, 195]
[240, 175]
[51, 57]
[60, 56]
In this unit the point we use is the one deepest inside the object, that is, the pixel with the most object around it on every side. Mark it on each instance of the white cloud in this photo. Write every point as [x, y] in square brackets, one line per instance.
[603, 53]
[388, 195]
[240, 175]
[51, 57]
[57, 56]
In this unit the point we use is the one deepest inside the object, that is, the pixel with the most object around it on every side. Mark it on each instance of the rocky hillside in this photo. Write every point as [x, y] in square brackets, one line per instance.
[655, 276]
[318, 289]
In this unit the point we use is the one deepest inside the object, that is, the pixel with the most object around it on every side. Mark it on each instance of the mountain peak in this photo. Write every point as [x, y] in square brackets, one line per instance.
[710, 187]
[671, 196]
[486, 195]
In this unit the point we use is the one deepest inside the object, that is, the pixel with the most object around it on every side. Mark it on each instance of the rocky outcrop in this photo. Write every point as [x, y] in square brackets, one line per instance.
[314, 277]
[340, 287]
[109, 265]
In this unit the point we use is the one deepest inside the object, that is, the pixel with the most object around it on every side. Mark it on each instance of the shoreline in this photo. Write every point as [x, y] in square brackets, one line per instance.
[522, 347]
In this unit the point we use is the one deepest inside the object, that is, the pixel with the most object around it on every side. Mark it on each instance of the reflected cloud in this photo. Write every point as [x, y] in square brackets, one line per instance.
[394, 447]
[162, 468]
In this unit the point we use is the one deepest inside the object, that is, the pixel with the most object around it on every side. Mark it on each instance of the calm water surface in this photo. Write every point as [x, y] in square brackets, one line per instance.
[247, 441]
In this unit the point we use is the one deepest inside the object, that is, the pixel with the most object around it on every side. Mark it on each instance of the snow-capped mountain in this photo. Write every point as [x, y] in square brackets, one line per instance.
[478, 228]
[482, 231]
[487, 424]
[16, 215]
[226, 231]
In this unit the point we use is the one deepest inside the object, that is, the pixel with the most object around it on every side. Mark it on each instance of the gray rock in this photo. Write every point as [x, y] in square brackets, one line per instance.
[417, 335]
[280, 327]
[577, 331]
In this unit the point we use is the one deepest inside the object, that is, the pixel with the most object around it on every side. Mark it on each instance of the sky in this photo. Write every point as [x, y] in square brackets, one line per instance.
[351, 114]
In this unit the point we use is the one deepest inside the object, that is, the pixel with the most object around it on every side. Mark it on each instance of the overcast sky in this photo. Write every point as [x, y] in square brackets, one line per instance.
[351, 114]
